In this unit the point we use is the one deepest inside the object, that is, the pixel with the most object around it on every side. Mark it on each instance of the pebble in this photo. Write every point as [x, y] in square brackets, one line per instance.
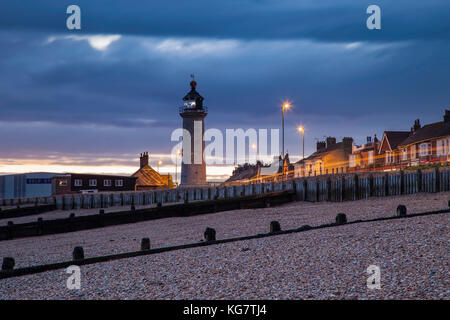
[317, 264]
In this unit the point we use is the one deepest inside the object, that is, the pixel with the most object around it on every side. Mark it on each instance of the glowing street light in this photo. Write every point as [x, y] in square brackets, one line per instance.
[302, 131]
[159, 162]
[286, 106]
[254, 147]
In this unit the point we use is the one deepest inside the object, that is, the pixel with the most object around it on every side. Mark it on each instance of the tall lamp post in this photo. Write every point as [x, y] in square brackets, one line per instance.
[302, 131]
[176, 166]
[286, 106]
[159, 162]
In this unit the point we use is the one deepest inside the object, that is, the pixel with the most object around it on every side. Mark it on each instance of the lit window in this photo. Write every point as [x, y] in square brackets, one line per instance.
[441, 147]
[92, 182]
[62, 183]
[78, 183]
[370, 157]
[405, 154]
[423, 149]
[119, 183]
[352, 161]
[389, 157]
[189, 104]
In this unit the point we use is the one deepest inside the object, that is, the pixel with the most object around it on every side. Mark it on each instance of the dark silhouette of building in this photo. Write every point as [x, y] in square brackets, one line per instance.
[91, 183]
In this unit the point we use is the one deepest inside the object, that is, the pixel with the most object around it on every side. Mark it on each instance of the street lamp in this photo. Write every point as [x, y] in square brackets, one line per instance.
[286, 106]
[302, 131]
[176, 166]
[254, 147]
[159, 162]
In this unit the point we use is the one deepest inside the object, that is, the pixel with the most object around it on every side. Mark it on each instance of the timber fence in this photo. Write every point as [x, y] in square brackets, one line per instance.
[344, 187]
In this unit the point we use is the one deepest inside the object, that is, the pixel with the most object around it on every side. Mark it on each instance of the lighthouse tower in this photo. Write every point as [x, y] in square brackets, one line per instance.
[193, 167]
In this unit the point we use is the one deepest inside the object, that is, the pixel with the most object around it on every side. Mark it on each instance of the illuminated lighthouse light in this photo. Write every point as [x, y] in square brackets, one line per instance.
[189, 104]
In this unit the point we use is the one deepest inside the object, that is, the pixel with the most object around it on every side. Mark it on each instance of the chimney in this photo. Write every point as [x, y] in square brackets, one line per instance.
[321, 145]
[369, 141]
[416, 125]
[348, 144]
[331, 141]
[144, 159]
[447, 116]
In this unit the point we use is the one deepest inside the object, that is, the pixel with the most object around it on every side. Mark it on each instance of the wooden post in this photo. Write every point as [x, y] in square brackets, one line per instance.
[402, 182]
[210, 234]
[419, 180]
[8, 263]
[438, 180]
[101, 200]
[275, 227]
[386, 184]
[78, 253]
[328, 189]
[145, 244]
[317, 191]
[341, 218]
[294, 187]
[40, 226]
[10, 230]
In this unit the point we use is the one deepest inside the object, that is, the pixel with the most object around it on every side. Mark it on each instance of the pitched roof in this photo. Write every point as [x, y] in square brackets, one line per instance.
[323, 152]
[396, 137]
[429, 131]
[147, 176]
[243, 172]
[167, 179]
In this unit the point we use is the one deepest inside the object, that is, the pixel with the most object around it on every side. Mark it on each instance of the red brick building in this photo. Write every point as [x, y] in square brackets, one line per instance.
[363, 157]
[426, 145]
[388, 157]
[422, 145]
[91, 183]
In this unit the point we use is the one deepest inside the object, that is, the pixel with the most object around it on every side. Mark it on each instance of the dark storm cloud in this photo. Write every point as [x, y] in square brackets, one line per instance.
[325, 20]
[60, 92]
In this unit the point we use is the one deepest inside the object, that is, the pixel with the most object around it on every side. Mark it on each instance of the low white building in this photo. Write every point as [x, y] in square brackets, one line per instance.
[37, 184]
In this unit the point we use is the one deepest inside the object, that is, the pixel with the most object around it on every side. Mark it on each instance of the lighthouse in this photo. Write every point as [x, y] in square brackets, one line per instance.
[193, 112]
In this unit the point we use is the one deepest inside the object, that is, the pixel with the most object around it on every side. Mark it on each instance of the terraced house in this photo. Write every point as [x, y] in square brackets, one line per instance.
[331, 157]
[363, 157]
[388, 156]
[422, 145]
[426, 145]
